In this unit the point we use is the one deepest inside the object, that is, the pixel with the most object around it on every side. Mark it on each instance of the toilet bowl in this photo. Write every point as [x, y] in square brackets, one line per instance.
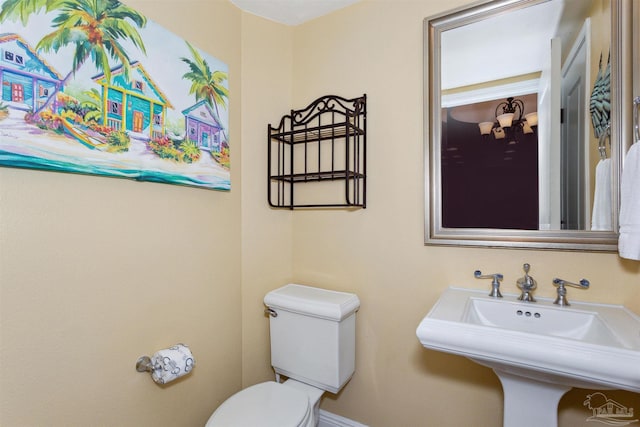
[270, 404]
[312, 334]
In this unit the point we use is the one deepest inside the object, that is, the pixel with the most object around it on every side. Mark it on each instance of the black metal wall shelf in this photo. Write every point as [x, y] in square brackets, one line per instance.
[326, 141]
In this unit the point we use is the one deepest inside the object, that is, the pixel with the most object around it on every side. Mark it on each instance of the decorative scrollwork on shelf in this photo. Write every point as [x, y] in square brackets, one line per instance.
[327, 104]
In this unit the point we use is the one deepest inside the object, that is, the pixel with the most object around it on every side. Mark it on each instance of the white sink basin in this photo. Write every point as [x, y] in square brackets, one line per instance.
[576, 324]
[540, 345]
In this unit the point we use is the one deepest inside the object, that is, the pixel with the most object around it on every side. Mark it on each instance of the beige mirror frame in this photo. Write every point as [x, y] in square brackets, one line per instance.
[621, 134]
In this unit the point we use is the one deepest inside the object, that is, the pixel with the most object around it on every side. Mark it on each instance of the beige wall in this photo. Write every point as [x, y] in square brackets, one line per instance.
[95, 272]
[89, 266]
[266, 233]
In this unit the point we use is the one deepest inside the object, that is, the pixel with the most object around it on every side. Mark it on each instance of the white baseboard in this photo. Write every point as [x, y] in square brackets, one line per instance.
[327, 419]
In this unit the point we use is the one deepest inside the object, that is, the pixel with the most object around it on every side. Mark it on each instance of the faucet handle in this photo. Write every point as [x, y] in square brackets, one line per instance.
[495, 284]
[562, 290]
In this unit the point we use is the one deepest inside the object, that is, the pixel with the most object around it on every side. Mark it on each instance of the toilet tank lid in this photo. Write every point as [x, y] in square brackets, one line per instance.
[323, 303]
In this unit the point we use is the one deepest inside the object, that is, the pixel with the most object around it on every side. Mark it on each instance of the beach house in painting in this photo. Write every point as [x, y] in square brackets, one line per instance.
[137, 105]
[203, 127]
[27, 80]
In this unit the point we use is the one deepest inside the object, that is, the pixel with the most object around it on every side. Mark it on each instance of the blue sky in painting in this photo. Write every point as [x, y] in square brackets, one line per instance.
[162, 61]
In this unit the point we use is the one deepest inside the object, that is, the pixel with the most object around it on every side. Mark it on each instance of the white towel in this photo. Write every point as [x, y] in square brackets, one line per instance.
[601, 218]
[629, 239]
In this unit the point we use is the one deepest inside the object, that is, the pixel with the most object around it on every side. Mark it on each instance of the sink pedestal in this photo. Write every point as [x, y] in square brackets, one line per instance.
[528, 402]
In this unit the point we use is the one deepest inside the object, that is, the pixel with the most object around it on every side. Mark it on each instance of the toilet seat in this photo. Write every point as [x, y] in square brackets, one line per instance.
[267, 404]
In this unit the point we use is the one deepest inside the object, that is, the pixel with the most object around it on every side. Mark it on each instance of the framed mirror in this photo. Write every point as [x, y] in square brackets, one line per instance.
[527, 102]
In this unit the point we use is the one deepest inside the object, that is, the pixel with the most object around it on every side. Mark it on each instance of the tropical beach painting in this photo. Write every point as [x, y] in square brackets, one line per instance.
[94, 87]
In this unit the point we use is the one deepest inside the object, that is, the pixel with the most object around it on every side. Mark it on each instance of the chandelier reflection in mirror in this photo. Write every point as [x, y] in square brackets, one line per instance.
[509, 120]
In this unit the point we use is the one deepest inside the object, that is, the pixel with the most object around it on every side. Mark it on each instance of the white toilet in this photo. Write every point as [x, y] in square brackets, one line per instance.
[313, 345]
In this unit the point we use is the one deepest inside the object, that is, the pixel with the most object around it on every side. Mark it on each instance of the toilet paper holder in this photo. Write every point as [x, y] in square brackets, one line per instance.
[143, 364]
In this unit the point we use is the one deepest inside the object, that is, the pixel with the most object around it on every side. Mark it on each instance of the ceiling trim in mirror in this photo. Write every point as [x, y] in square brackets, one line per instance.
[621, 134]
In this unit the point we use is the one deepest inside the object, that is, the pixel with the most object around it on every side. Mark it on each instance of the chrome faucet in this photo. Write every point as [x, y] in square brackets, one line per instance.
[495, 284]
[562, 290]
[526, 284]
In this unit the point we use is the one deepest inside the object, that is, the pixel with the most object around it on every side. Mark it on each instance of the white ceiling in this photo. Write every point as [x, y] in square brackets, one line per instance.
[291, 12]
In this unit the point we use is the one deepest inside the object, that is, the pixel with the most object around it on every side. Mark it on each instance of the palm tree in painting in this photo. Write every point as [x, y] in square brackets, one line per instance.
[94, 28]
[206, 84]
[23, 9]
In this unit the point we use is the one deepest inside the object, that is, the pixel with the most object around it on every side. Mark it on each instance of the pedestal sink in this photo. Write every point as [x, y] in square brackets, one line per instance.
[538, 350]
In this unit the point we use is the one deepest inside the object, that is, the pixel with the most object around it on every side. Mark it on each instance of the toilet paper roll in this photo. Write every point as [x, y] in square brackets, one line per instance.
[172, 363]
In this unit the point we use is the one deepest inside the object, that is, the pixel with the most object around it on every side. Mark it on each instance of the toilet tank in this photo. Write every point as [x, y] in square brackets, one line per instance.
[313, 335]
